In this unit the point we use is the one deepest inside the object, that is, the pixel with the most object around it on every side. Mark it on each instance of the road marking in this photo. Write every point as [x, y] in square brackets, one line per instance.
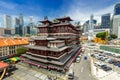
[82, 69]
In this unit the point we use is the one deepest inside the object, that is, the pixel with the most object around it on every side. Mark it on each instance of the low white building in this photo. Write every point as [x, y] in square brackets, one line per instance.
[92, 34]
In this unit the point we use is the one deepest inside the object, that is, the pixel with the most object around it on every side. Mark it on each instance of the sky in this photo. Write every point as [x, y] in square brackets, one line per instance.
[78, 10]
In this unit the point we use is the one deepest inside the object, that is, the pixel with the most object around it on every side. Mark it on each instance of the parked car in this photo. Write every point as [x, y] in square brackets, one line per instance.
[108, 60]
[92, 55]
[103, 58]
[106, 68]
[102, 66]
[96, 63]
[102, 54]
[99, 57]
[118, 64]
[108, 53]
[70, 74]
[114, 62]
[99, 64]
[79, 55]
[78, 59]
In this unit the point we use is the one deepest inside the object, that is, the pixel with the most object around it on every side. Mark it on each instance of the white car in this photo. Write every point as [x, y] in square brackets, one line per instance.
[78, 59]
[70, 74]
[99, 64]
[107, 60]
[80, 55]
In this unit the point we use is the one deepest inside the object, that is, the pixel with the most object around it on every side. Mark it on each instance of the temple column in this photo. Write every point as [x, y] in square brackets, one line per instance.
[51, 44]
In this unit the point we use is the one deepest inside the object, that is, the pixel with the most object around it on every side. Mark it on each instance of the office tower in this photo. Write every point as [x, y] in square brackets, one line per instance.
[31, 27]
[94, 23]
[91, 28]
[85, 28]
[116, 25]
[17, 24]
[28, 29]
[105, 21]
[7, 21]
[21, 29]
[116, 20]
[91, 24]
[117, 9]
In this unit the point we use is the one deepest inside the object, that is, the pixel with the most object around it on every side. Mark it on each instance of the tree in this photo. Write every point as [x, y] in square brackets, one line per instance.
[101, 35]
[113, 36]
[55, 20]
[27, 35]
[98, 35]
[21, 50]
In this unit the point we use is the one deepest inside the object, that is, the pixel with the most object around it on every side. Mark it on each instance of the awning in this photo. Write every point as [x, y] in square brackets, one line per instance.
[8, 60]
[15, 58]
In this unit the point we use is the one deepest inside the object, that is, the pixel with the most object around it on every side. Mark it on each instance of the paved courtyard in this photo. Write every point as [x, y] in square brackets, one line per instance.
[24, 73]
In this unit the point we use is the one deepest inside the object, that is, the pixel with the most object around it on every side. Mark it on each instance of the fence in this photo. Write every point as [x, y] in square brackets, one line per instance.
[111, 49]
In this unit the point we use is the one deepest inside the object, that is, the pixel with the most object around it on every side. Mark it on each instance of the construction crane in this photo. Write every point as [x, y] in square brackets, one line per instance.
[106, 37]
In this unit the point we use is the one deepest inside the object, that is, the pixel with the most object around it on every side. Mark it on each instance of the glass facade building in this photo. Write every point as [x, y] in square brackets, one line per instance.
[105, 21]
[117, 9]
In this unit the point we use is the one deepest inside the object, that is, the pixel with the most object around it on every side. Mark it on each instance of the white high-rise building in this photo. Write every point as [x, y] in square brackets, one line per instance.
[91, 28]
[91, 24]
[7, 21]
[116, 25]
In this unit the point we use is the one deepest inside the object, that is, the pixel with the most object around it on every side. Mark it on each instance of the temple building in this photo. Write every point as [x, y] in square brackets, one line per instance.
[56, 46]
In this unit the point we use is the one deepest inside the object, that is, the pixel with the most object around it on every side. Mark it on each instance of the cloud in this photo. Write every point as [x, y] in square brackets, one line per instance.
[7, 5]
[13, 9]
[109, 9]
[82, 13]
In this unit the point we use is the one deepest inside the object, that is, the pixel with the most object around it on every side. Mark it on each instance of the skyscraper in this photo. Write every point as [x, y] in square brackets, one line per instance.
[116, 20]
[105, 21]
[21, 29]
[116, 25]
[117, 9]
[31, 27]
[17, 24]
[91, 23]
[7, 21]
[85, 28]
[91, 28]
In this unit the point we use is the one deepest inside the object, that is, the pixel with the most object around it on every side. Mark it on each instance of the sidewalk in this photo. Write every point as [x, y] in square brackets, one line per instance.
[45, 72]
[27, 73]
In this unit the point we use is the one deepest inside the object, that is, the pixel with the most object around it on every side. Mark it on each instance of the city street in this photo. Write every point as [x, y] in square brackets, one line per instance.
[83, 69]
